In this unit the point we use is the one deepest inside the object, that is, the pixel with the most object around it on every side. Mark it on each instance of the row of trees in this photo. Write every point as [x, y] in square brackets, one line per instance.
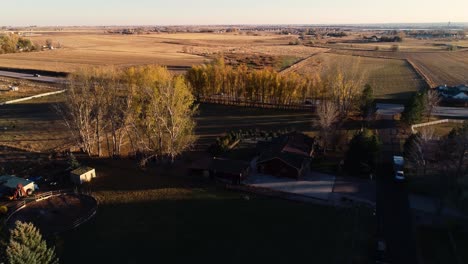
[13, 44]
[147, 108]
[216, 81]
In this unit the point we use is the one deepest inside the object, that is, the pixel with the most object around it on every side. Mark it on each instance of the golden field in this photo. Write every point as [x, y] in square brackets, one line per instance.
[81, 49]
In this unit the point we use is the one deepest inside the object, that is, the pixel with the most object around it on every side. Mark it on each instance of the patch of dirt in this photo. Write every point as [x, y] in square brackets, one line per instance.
[56, 214]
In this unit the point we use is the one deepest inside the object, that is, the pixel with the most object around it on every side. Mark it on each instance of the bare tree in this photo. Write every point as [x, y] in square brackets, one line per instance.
[345, 82]
[431, 101]
[328, 113]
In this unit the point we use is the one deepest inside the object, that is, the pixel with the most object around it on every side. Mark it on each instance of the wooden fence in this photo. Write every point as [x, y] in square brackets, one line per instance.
[223, 101]
[413, 127]
[32, 97]
[13, 209]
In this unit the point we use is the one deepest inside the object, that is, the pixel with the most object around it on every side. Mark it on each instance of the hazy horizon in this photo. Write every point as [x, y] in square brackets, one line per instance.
[224, 12]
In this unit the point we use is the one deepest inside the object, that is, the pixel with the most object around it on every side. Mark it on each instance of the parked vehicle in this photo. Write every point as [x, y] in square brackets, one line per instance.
[398, 168]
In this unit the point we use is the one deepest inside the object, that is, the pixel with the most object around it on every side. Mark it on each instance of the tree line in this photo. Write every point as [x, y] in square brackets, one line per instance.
[14, 43]
[218, 82]
[147, 109]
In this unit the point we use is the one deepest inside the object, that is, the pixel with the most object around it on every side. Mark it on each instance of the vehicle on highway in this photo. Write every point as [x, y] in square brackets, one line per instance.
[37, 75]
[398, 167]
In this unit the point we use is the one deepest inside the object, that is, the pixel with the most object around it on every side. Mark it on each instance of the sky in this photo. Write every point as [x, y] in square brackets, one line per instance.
[205, 12]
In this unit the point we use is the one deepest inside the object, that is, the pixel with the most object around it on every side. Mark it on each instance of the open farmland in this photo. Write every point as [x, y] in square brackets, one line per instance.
[408, 45]
[391, 79]
[178, 51]
[449, 68]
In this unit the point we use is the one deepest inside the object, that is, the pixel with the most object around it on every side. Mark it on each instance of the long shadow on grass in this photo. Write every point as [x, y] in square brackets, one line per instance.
[215, 230]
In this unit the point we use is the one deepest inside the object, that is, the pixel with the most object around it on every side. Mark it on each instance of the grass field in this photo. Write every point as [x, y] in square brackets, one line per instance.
[391, 79]
[26, 89]
[214, 120]
[164, 216]
[33, 125]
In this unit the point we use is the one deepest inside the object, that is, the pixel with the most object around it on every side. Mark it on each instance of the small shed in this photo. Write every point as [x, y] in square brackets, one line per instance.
[82, 174]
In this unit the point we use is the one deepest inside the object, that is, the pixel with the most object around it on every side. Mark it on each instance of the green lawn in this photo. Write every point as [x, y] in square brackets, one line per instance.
[161, 216]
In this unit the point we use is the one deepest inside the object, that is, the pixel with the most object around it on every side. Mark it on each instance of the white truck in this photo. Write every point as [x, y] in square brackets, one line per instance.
[398, 167]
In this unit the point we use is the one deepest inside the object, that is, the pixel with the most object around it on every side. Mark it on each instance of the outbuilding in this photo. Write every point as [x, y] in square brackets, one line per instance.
[82, 175]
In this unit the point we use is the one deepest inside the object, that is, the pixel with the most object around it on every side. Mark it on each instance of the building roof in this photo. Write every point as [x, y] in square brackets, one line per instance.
[82, 170]
[293, 148]
[13, 181]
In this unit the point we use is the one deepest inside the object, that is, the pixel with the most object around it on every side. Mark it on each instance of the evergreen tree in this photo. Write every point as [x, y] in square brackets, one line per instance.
[362, 153]
[368, 106]
[27, 246]
[73, 162]
[414, 110]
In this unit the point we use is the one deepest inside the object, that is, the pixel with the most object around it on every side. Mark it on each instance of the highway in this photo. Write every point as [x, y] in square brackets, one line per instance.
[441, 111]
[26, 76]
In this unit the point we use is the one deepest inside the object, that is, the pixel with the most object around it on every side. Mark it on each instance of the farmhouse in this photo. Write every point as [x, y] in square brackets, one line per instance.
[287, 156]
[82, 174]
[455, 93]
[226, 170]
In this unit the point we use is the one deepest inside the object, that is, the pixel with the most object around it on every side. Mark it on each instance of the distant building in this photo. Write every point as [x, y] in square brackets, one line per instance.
[453, 93]
[82, 175]
[13, 88]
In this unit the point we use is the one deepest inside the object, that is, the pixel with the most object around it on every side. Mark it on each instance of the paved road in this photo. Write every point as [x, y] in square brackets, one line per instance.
[31, 77]
[394, 217]
[393, 109]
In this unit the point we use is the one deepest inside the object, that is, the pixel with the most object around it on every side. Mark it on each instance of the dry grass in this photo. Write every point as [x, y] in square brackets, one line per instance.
[33, 125]
[26, 89]
[97, 48]
[391, 78]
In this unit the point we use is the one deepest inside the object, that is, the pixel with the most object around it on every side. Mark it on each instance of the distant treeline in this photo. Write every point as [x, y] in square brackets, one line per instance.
[13, 43]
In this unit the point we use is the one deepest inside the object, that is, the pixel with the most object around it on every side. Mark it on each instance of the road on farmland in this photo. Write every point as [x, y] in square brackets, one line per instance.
[441, 111]
[26, 76]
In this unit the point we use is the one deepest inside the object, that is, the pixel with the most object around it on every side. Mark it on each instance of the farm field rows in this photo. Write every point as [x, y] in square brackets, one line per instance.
[391, 79]
[449, 68]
